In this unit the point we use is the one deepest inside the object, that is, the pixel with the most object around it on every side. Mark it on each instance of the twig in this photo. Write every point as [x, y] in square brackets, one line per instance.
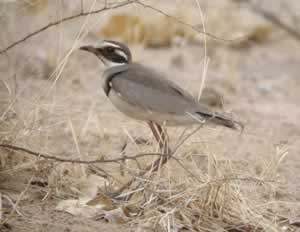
[243, 179]
[55, 23]
[161, 137]
[103, 173]
[186, 169]
[159, 162]
[105, 8]
[64, 160]
[183, 140]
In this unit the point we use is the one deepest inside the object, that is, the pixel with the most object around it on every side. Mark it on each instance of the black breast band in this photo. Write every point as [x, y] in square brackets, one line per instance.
[107, 82]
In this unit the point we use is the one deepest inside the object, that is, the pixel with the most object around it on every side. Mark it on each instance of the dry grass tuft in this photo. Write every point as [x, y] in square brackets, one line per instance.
[182, 197]
[197, 190]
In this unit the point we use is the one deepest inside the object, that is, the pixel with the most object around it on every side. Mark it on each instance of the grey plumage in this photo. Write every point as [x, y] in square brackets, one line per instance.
[178, 107]
[144, 94]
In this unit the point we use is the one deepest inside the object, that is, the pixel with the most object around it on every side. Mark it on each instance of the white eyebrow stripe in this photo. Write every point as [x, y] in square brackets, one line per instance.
[121, 53]
[110, 44]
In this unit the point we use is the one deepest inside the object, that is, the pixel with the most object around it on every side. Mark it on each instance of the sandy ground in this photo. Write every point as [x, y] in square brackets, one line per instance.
[260, 85]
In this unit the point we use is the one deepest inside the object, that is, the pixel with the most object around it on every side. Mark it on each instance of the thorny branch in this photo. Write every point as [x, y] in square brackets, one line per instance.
[64, 160]
[105, 8]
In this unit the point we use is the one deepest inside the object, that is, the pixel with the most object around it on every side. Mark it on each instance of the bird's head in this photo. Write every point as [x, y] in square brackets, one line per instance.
[111, 53]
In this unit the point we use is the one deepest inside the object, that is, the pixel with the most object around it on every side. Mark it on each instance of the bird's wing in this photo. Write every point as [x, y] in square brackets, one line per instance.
[149, 90]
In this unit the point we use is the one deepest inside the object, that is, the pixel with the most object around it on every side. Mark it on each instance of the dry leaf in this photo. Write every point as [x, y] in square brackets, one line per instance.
[103, 201]
[131, 210]
[116, 216]
[92, 203]
[79, 208]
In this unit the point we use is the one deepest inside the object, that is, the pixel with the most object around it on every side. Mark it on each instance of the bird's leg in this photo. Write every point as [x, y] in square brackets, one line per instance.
[164, 139]
[161, 136]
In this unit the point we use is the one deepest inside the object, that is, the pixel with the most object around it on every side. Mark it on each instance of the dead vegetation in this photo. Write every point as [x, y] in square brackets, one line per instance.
[61, 145]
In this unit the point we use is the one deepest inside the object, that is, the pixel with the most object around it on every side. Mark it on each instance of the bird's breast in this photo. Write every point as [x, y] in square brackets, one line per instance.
[128, 108]
[109, 74]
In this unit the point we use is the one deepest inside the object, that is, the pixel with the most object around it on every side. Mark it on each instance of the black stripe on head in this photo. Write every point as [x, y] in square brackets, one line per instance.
[115, 52]
[119, 56]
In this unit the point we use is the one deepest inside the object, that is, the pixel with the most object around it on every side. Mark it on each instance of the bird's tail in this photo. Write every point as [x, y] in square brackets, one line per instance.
[222, 119]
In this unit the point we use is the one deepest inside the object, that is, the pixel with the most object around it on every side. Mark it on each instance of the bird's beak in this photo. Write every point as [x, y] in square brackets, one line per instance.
[93, 50]
[89, 49]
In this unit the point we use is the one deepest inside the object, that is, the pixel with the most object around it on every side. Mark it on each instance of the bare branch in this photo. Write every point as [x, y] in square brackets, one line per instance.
[81, 14]
[105, 8]
[163, 158]
[64, 160]
[161, 137]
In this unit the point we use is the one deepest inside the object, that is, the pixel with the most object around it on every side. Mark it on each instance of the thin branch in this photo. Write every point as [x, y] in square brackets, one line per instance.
[105, 8]
[159, 162]
[104, 173]
[186, 169]
[52, 24]
[183, 140]
[161, 137]
[64, 160]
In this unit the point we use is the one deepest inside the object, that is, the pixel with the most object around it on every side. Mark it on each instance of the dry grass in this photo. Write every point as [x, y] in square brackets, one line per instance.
[197, 190]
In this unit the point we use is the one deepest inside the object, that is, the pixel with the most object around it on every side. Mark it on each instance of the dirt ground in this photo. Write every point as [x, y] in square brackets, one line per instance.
[70, 115]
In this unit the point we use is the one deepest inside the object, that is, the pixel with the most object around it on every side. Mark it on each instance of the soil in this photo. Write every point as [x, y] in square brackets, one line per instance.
[259, 84]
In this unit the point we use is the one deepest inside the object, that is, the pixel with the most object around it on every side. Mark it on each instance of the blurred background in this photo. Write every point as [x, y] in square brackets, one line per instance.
[51, 98]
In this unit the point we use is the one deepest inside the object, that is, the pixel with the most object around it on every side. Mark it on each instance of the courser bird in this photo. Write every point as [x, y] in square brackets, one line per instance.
[144, 94]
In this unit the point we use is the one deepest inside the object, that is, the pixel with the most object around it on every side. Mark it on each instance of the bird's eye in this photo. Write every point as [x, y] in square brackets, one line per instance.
[110, 49]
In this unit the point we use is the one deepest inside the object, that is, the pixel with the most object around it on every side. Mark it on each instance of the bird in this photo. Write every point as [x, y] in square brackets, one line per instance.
[145, 94]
